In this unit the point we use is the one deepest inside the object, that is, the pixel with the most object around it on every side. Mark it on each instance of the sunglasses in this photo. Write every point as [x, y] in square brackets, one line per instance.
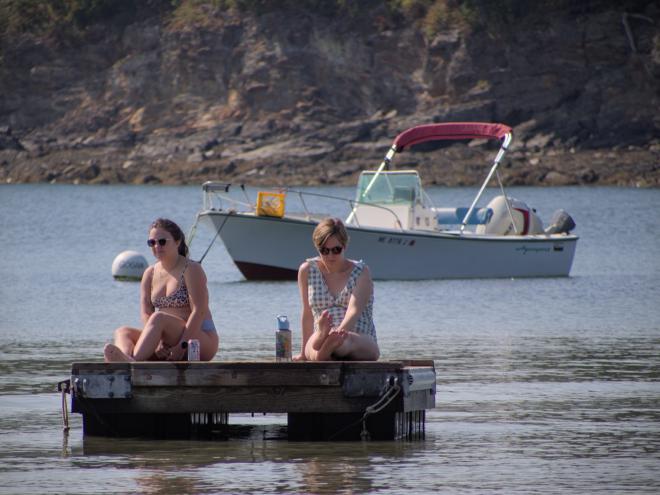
[152, 242]
[334, 250]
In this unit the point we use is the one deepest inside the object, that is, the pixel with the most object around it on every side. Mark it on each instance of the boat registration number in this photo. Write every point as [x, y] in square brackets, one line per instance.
[399, 241]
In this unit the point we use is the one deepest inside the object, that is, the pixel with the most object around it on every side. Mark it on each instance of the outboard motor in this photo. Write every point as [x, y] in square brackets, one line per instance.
[561, 223]
[526, 219]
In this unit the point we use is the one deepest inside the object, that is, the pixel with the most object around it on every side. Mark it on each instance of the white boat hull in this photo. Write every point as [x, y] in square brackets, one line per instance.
[269, 248]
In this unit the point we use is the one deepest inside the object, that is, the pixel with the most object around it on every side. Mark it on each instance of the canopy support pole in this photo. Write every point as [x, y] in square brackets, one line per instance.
[506, 201]
[384, 164]
[500, 154]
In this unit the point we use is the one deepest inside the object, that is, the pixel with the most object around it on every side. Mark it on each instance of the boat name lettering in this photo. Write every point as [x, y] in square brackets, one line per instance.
[400, 241]
[526, 249]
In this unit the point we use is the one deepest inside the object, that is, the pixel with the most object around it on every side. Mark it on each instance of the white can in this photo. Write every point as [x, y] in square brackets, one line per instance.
[193, 349]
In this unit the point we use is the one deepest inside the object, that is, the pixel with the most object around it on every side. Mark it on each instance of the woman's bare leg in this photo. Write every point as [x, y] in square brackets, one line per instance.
[358, 347]
[113, 354]
[315, 343]
[166, 328]
[208, 345]
[122, 349]
[325, 325]
[330, 344]
[126, 338]
[160, 326]
[319, 337]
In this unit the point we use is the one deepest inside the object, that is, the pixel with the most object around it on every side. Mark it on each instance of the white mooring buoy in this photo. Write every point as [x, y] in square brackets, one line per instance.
[129, 265]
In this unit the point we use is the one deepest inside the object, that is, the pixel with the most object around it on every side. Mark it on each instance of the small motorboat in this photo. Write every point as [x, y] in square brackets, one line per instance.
[393, 224]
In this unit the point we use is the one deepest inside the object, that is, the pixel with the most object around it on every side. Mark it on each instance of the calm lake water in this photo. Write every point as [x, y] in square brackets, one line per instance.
[544, 385]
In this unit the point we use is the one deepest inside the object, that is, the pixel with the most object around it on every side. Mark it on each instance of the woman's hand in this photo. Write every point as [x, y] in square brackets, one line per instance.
[162, 351]
[177, 353]
[166, 352]
[339, 332]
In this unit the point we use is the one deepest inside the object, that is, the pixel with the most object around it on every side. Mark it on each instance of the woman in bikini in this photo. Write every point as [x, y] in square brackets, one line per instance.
[337, 297]
[174, 304]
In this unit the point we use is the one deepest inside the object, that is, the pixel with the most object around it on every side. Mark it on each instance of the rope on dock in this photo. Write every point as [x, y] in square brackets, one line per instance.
[391, 391]
[388, 396]
[212, 240]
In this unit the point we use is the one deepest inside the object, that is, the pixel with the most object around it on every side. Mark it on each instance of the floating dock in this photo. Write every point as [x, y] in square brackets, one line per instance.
[333, 400]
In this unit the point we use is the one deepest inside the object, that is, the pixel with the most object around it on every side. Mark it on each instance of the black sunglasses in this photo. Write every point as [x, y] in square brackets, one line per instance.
[334, 250]
[152, 242]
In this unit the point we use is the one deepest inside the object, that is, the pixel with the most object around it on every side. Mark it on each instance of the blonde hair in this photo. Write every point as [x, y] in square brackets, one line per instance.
[326, 229]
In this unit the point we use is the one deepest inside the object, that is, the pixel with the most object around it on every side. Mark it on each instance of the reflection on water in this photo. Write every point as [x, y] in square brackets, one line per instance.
[544, 386]
[304, 467]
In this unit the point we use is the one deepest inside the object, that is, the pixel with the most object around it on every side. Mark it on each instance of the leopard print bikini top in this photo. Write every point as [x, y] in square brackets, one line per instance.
[177, 299]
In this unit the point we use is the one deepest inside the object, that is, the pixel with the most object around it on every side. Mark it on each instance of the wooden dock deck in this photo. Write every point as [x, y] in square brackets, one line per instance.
[334, 400]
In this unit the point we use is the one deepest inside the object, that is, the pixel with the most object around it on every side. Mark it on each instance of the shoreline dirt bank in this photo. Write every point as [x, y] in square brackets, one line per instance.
[295, 96]
[296, 162]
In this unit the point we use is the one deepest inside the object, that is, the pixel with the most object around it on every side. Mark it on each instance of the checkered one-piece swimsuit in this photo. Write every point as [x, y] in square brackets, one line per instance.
[321, 299]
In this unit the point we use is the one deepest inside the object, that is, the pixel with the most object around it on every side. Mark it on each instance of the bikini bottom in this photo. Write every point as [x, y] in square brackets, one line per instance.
[208, 326]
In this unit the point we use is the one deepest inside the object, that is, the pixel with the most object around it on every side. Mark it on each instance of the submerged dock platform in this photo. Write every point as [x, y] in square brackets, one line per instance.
[333, 400]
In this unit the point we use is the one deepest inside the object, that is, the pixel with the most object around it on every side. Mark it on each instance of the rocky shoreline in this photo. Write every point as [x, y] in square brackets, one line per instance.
[282, 163]
[291, 98]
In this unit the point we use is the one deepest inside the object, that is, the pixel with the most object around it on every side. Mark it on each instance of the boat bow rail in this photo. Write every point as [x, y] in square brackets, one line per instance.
[217, 196]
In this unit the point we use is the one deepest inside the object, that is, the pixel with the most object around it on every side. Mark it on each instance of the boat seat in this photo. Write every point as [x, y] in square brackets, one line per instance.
[455, 216]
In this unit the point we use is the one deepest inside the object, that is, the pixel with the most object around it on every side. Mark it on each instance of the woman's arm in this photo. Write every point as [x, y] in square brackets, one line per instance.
[198, 298]
[146, 308]
[359, 299]
[307, 320]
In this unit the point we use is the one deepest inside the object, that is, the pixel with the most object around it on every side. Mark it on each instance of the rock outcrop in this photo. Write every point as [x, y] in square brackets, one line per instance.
[294, 97]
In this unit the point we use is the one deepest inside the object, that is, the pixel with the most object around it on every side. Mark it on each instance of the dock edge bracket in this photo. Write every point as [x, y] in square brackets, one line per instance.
[418, 379]
[115, 386]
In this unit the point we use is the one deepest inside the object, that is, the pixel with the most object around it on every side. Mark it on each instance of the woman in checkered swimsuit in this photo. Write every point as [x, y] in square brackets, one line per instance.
[337, 298]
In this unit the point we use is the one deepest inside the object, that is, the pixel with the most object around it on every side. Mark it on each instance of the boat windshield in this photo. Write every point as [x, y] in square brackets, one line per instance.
[388, 187]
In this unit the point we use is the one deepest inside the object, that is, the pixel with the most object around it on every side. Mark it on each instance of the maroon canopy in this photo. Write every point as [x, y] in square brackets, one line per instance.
[453, 130]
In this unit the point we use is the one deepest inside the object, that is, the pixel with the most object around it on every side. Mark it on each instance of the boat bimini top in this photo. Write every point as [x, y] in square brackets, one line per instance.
[443, 132]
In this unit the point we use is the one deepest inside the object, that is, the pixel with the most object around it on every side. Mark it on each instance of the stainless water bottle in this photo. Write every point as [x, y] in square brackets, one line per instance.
[282, 339]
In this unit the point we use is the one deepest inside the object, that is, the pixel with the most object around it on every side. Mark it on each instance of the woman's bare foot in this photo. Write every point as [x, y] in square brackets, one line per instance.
[300, 357]
[114, 354]
[325, 325]
[330, 345]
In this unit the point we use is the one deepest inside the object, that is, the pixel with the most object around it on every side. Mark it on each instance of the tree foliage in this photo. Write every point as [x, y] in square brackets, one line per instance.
[43, 16]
